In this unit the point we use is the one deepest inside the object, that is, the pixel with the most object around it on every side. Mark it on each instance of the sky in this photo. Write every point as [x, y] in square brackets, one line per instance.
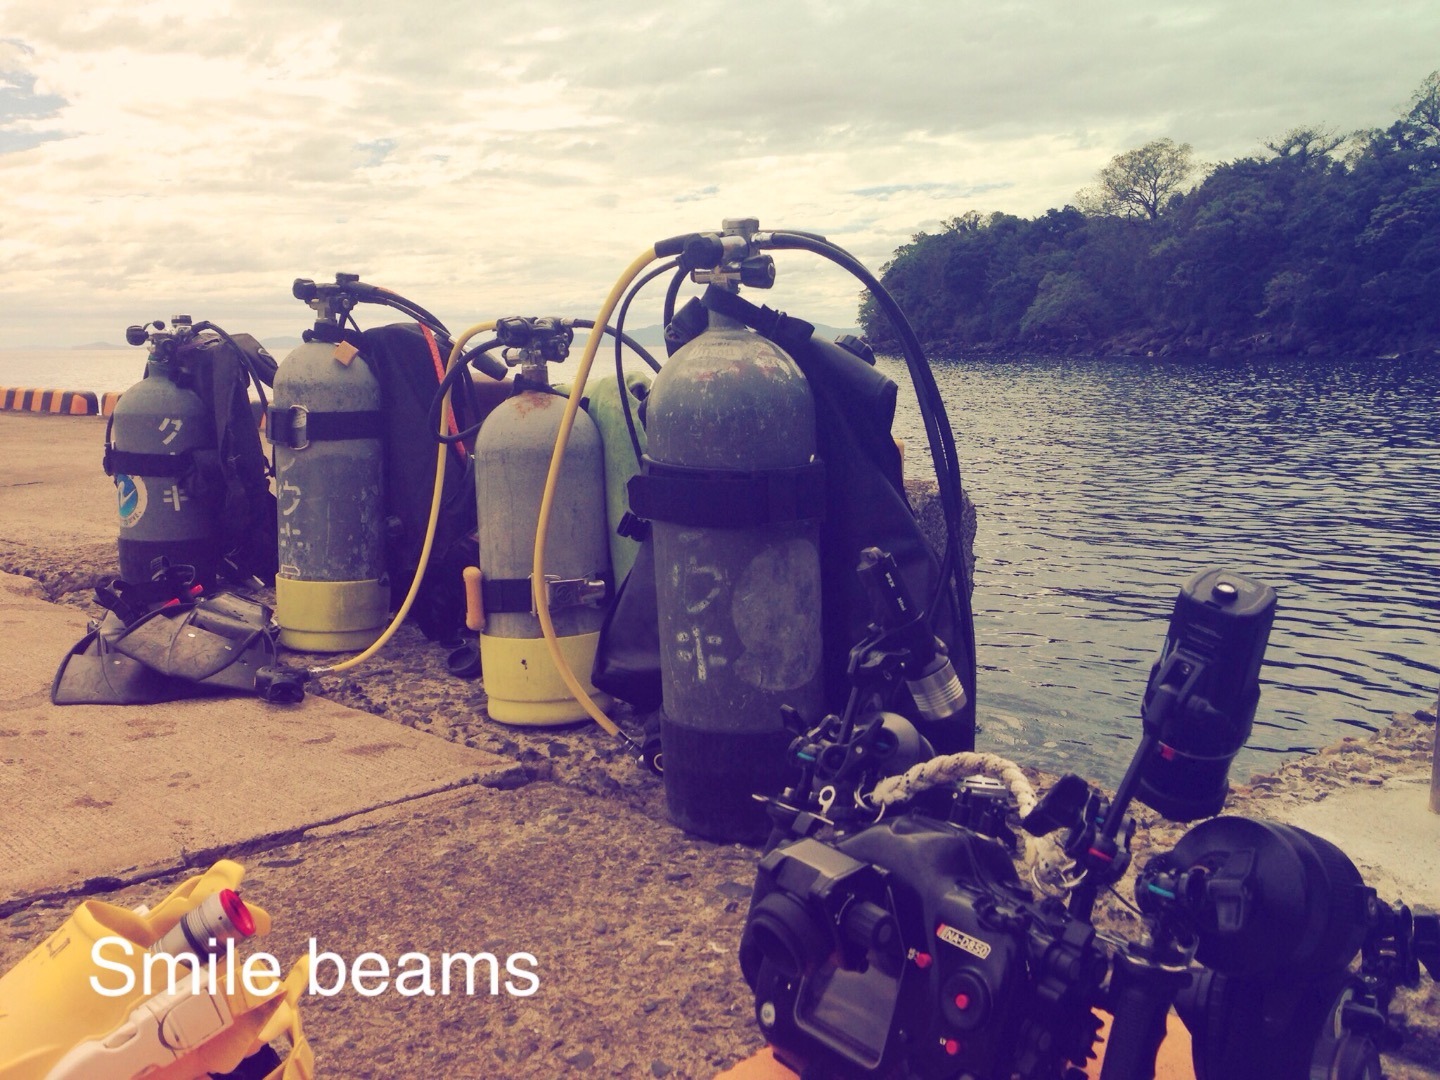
[497, 158]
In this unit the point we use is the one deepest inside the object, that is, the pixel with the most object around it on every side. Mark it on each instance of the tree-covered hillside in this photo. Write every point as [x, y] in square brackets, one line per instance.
[1322, 244]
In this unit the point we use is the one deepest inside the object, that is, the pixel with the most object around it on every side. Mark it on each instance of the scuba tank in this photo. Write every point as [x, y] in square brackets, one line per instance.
[734, 493]
[719, 625]
[332, 593]
[166, 508]
[513, 453]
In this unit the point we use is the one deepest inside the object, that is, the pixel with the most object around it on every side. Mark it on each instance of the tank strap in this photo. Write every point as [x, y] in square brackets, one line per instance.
[509, 595]
[172, 466]
[506, 594]
[297, 427]
[727, 498]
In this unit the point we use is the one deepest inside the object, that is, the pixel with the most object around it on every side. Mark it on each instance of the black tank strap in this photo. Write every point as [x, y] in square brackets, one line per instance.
[500, 595]
[728, 499]
[172, 466]
[297, 427]
[508, 595]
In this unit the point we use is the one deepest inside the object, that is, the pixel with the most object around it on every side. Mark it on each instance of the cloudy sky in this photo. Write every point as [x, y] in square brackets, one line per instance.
[492, 158]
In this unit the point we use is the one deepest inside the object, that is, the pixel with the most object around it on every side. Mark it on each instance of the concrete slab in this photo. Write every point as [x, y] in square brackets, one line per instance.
[61, 490]
[92, 792]
[1388, 832]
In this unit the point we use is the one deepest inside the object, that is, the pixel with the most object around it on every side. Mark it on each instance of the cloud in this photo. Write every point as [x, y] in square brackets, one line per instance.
[23, 107]
[931, 189]
[707, 193]
[486, 158]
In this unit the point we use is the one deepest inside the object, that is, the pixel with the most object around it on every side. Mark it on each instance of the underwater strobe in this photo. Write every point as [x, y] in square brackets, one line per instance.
[332, 593]
[513, 455]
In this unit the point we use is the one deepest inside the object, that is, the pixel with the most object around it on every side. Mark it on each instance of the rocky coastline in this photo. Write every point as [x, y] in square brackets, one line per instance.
[1165, 345]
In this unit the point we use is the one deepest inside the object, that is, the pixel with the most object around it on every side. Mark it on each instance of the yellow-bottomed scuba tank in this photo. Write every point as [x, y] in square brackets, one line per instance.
[734, 493]
[168, 505]
[78, 1007]
[332, 592]
[513, 454]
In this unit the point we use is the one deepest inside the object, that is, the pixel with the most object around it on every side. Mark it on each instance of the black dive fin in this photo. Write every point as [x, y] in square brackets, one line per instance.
[219, 643]
[92, 673]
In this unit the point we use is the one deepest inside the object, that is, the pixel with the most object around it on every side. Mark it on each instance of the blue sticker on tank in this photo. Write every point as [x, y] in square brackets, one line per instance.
[133, 498]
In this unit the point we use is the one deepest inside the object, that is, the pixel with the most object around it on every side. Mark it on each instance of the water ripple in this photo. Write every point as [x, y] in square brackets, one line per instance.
[1102, 485]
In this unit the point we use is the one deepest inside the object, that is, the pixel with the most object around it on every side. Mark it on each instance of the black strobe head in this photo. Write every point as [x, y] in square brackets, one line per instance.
[1271, 901]
[1200, 703]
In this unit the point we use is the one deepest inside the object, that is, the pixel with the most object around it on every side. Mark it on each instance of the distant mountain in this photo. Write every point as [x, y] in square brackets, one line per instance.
[95, 345]
[832, 332]
[654, 335]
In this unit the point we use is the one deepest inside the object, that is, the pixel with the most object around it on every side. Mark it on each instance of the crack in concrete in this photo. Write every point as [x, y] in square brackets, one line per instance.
[204, 858]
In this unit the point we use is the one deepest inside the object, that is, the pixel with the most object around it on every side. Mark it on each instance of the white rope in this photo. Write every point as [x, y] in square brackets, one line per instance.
[952, 767]
[1047, 862]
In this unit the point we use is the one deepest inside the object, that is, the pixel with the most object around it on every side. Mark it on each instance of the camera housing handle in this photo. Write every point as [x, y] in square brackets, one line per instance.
[1141, 993]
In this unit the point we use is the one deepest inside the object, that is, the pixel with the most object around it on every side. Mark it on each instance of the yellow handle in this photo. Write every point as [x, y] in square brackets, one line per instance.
[474, 599]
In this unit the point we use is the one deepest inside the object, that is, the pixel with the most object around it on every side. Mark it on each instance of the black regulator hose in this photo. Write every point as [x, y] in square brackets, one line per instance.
[496, 369]
[374, 294]
[620, 339]
[937, 428]
[672, 293]
[630, 295]
[460, 370]
[932, 407]
[479, 358]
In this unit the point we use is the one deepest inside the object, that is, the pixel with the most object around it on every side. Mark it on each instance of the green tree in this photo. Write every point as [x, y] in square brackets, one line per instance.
[1425, 106]
[1306, 146]
[1296, 250]
[1140, 183]
[1065, 306]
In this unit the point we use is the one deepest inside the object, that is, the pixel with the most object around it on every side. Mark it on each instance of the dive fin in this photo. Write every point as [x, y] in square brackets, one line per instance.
[220, 642]
[92, 673]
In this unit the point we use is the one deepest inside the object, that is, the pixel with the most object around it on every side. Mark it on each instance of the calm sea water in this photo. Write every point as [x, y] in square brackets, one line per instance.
[72, 369]
[1102, 485]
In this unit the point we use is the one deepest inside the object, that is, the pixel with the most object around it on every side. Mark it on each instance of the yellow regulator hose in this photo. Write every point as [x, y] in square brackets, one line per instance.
[435, 501]
[547, 500]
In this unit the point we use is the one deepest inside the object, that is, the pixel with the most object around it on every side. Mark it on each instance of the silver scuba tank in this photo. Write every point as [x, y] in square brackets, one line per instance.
[168, 505]
[331, 593]
[512, 459]
[731, 487]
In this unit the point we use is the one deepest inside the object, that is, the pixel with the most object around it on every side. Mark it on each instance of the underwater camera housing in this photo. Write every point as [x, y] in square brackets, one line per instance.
[890, 934]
